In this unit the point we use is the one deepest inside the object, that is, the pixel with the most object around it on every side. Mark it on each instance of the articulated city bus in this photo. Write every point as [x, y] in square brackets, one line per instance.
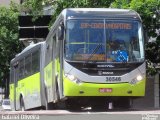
[91, 56]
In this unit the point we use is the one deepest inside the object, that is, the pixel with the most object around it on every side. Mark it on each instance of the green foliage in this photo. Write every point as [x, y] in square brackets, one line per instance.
[151, 68]
[9, 43]
[146, 9]
[32, 6]
[36, 6]
[62, 4]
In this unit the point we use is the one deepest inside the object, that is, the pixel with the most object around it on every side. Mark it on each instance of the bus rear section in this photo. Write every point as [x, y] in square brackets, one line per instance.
[26, 83]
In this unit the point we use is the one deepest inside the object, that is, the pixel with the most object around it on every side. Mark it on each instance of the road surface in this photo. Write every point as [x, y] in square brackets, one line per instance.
[134, 114]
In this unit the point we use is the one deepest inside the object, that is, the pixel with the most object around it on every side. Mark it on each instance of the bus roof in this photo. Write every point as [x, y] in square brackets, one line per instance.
[99, 12]
[25, 50]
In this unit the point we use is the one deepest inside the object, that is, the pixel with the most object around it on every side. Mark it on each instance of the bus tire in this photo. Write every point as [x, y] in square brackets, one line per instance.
[46, 107]
[57, 89]
[123, 103]
[72, 104]
[99, 106]
[22, 107]
[59, 104]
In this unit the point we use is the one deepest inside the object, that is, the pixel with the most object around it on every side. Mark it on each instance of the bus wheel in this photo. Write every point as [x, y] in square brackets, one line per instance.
[72, 104]
[22, 108]
[99, 104]
[51, 106]
[46, 107]
[123, 103]
[57, 89]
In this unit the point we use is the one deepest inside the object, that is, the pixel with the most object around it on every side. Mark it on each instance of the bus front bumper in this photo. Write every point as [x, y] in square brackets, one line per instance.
[94, 89]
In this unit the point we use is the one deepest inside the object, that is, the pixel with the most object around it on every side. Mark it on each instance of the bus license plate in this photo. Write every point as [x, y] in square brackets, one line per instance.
[105, 90]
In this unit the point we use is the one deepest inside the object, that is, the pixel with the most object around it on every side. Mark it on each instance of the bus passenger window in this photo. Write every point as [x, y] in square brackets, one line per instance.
[21, 69]
[12, 75]
[28, 65]
[35, 62]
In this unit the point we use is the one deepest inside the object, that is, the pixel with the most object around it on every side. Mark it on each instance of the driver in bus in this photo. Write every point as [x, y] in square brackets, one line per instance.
[118, 51]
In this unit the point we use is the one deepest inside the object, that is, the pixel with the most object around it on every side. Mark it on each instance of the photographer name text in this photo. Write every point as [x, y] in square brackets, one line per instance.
[19, 117]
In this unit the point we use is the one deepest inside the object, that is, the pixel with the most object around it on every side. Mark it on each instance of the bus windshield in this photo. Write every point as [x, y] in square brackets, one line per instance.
[104, 41]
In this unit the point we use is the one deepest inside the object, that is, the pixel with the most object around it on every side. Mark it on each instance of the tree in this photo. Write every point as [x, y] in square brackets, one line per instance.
[9, 43]
[62, 4]
[35, 7]
[149, 11]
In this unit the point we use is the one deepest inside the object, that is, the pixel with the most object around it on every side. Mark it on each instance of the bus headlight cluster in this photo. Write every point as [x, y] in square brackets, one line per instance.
[73, 78]
[139, 78]
[136, 80]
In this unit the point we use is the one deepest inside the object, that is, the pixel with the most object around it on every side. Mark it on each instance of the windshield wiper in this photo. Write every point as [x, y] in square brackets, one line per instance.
[94, 51]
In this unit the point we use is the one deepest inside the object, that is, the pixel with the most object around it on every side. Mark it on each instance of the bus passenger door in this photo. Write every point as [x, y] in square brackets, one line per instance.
[60, 68]
[54, 52]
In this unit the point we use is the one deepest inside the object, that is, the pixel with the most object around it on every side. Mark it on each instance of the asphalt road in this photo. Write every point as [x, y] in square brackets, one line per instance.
[65, 112]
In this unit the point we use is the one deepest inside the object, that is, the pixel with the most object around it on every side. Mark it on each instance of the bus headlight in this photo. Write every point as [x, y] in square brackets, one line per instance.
[73, 78]
[136, 80]
[139, 78]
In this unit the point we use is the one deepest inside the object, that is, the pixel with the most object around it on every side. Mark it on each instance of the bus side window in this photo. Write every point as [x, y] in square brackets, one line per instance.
[55, 46]
[58, 48]
[49, 51]
[35, 62]
[21, 69]
[28, 65]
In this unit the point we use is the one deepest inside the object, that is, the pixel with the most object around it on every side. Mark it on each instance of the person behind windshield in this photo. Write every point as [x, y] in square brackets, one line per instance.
[118, 51]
